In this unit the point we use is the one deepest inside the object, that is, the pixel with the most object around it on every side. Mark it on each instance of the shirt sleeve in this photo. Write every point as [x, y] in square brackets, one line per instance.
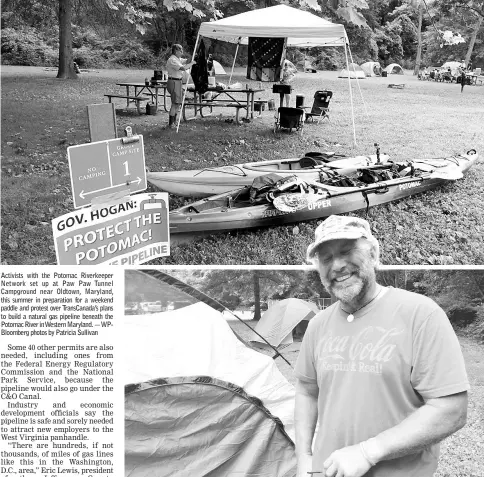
[305, 368]
[438, 367]
[174, 63]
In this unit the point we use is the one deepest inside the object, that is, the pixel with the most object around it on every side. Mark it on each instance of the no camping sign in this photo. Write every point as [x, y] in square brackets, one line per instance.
[127, 233]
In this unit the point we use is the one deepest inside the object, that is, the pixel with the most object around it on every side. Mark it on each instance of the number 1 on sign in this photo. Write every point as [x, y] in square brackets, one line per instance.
[125, 164]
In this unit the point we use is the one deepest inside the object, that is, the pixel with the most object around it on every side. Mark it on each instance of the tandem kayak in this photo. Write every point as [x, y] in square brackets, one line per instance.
[217, 180]
[392, 181]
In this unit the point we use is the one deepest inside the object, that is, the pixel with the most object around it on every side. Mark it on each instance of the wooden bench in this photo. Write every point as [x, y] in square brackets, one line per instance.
[213, 104]
[137, 99]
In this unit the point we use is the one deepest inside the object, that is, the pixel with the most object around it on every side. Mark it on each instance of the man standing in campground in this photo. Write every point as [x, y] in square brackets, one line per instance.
[380, 371]
[175, 67]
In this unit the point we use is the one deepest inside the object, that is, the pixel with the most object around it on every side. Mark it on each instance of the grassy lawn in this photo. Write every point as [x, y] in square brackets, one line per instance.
[41, 116]
[462, 454]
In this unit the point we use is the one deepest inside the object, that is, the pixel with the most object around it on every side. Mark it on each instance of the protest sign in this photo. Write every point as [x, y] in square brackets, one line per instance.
[127, 233]
[104, 167]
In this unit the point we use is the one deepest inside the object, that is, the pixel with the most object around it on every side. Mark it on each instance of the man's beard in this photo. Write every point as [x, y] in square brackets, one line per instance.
[352, 293]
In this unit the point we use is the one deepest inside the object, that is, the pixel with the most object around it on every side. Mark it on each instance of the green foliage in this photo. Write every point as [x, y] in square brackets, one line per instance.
[129, 52]
[459, 292]
[363, 43]
[328, 58]
[30, 47]
[389, 44]
[436, 55]
[236, 288]
[26, 46]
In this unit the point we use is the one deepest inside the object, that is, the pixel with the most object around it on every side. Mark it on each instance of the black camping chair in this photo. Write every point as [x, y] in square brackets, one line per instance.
[320, 109]
[289, 118]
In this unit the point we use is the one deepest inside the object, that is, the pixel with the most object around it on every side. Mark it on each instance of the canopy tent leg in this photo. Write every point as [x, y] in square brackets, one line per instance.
[351, 97]
[185, 90]
[233, 63]
[359, 87]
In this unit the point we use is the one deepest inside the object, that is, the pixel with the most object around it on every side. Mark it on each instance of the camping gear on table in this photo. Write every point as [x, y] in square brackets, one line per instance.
[198, 400]
[289, 118]
[234, 210]
[320, 108]
[217, 180]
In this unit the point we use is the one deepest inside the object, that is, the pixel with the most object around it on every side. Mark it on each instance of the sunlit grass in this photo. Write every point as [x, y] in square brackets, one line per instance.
[41, 116]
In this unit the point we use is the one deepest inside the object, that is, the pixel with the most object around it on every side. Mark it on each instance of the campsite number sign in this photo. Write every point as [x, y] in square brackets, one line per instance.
[104, 167]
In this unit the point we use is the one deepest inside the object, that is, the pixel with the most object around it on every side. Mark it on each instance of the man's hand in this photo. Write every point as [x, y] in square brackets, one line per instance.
[304, 464]
[346, 462]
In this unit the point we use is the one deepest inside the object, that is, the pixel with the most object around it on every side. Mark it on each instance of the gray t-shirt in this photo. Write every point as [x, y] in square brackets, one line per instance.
[372, 373]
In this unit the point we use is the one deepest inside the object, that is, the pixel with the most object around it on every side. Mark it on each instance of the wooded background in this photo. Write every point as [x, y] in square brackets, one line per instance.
[139, 33]
[459, 292]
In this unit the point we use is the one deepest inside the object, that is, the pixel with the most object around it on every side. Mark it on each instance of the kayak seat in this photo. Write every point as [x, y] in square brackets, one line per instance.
[307, 162]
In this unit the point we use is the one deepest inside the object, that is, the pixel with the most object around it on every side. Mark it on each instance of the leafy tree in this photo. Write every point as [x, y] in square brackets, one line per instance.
[136, 12]
[253, 287]
[471, 12]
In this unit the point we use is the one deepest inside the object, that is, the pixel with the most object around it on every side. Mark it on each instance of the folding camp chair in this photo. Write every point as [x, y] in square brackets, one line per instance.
[320, 109]
[289, 118]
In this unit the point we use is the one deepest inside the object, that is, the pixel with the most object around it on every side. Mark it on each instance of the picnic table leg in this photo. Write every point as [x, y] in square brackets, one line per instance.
[251, 106]
[136, 93]
[164, 99]
[156, 98]
[127, 94]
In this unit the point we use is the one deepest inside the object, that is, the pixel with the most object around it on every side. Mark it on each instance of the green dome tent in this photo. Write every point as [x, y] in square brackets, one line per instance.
[277, 323]
[198, 401]
[371, 68]
[394, 69]
[353, 71]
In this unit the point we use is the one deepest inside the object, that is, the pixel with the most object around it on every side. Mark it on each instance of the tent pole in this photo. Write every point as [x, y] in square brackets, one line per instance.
[185, 90]
[233, 63]
[351, 97]
[358, 83]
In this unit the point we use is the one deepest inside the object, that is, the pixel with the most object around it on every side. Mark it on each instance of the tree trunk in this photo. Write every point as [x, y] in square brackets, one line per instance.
[473, 40]
[255, 278]
[418, 60]
[66, 62]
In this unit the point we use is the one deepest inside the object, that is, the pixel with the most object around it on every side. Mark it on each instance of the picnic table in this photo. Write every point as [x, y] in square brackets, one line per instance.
[142, 92]
[240, 98]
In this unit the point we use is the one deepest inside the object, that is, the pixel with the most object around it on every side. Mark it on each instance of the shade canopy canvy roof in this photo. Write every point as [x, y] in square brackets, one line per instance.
[301, 28]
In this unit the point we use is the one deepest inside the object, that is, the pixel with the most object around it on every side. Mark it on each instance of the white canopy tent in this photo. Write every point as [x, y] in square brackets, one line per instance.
[301, 28]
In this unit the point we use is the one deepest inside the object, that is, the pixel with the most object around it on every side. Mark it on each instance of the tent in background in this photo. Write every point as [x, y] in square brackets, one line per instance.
[352, 71]
[218, 68]
[394, 69]
[197, 398]
[454, 66]
[371, 68]
[277, 323]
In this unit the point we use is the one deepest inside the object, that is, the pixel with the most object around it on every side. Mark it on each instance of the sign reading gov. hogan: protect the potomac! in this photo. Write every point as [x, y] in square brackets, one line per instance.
[127, 233]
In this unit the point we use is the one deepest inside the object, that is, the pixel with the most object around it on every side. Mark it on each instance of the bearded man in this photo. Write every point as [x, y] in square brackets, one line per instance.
[380, 372]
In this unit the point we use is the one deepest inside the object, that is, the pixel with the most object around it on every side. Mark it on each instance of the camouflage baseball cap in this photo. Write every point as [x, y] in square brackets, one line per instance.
[339, 227]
